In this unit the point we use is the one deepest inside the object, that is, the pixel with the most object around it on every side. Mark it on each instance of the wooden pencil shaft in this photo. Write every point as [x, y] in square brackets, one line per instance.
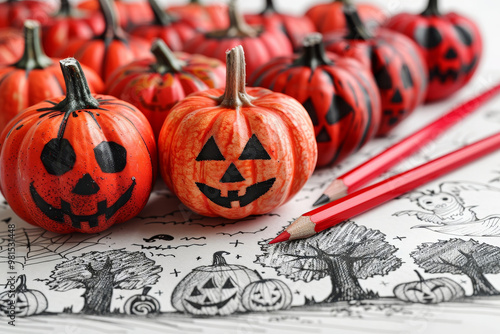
[374, 167]
[372, 196]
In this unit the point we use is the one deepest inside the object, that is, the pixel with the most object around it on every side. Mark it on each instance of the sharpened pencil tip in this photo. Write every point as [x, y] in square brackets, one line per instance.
[322, 200]
[285, 236]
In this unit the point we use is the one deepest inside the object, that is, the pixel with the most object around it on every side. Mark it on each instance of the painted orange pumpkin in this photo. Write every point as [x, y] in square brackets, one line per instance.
[34, 77]
[77, 163]
[237, 152]
[429, 291]
[266, 295]
[214, 289]
[206, 16]
[155, 85]
[11, 45]
[27, 302]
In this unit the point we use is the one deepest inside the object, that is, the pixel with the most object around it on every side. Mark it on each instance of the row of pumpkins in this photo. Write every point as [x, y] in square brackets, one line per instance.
[83, 162]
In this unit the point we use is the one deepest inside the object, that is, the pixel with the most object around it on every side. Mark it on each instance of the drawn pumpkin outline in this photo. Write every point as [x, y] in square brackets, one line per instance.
[266, 295]
[27, 302]
[214, 289]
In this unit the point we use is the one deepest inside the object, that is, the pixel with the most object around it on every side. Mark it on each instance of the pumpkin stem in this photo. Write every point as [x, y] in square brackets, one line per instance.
[345, 2]
[314, 54]
[219, 259]
[419, 276]
[146, 290]
[195, 2]
[355, 27]
[21, 287]
[235, 95]
[112, 30]
[33, 57]
[161, 17]
[237, 25]
[269, 9]
[78, 94]
[432, 9]
[166, 61]
[65, 10]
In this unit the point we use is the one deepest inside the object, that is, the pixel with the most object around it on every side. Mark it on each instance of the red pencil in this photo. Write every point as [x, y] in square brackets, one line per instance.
[367, 198]
[361, 175]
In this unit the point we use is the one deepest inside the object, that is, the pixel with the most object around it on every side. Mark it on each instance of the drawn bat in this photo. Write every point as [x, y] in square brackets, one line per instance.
[165, 237]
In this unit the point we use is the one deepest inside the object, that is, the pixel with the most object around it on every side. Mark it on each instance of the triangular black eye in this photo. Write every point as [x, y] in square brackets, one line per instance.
[254, 150]
[111, 157]
[58, 156]
[209, 284]
[228, 284]
[210, 151]
[195, 292]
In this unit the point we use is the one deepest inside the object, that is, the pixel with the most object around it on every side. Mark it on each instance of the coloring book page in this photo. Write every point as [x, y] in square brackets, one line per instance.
[426, 262]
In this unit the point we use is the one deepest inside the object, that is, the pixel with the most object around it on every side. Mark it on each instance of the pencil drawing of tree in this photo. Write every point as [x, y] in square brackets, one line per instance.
[101, 272]
[460, 257]
[344, 253]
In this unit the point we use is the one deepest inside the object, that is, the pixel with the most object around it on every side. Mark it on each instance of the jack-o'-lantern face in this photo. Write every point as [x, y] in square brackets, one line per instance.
[266, 295]
[232, 177]
[82, 199]
[211, 297]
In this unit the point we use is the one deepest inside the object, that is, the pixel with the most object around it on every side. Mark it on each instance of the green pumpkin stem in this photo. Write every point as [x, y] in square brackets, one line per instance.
[237, 25]
[432, 9]
[313, 54]
[166, 61]
[78, 94]
[161, 17]
[21, 287]
[219, 259]
[419, 276]
[33, 57]
[345, 2]
[195, 2]
[112, 30]
[355, 27]
[235, 95]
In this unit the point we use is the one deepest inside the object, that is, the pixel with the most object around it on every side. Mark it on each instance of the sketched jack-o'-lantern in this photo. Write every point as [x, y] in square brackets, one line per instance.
[237, 152]
[213, 290]
[266, 295]
[77, 163]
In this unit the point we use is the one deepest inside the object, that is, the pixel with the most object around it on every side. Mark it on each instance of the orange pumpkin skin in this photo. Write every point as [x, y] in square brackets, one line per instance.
[233, 162]
[206, 17]
[154, 85]
[13, 13]
[80, 169]
[329, 17]
[11, 45]
[106, 52]
[34, 78]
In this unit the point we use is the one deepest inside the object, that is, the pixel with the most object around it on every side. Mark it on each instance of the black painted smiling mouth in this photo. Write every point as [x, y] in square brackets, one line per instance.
[219, 305]
[252, 193]
[76, 220]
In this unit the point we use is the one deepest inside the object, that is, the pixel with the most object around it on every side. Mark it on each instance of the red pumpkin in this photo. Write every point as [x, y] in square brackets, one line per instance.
[205, 17]
[342, 100]
[329, 17]
[129, 13]
[77, 163]
[261, 44]
[33, 78]
[296, 28]
[394, 60]
[154, 85]
[11, 45]
[450, 43]
[429, 291]
[237, 152]
[13, 13]
[27, 302]
[66, 24]
[110, 50]
[214, 289]
[173, 31]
